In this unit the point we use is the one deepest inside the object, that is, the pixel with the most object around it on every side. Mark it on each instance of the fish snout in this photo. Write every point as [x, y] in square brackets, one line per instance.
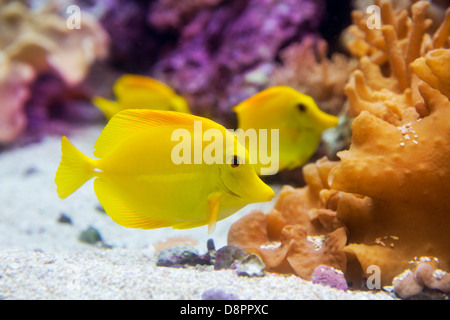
[327, 121]
[265, 193]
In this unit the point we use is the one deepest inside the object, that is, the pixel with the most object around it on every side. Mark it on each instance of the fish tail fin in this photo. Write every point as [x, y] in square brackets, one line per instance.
[73, 171]
[109, 108]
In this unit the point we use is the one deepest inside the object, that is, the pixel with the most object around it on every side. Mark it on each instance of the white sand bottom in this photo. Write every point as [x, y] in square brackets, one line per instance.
[41, 258]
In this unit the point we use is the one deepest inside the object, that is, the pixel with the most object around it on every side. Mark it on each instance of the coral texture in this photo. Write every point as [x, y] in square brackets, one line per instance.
[390, 188]
[40, 41]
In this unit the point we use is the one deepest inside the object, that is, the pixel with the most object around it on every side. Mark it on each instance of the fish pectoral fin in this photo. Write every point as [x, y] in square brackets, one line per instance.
[213, 210]
[120, 211]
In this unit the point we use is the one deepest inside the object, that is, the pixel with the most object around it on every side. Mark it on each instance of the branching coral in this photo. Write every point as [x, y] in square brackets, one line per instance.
[399, 151]
[390, 189]
[402, 173]
[431, 69]
[322, 78]
[40, 41]
[400, 41]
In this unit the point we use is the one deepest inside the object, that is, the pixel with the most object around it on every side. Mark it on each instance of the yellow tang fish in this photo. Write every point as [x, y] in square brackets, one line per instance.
[297, 117]
[139, 92]
[140, 186]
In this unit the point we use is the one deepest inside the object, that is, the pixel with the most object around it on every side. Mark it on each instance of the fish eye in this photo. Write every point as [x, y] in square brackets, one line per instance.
[301, 107]
[234, 161]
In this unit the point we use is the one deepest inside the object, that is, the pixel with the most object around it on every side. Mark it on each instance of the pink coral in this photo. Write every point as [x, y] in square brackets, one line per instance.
[425, 276]
[14, 81]
[34, 42]
[329, 276]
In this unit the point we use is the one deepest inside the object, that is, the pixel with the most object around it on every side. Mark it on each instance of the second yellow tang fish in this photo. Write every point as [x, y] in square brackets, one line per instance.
[139, 92]
[297, 117]
[139, 184]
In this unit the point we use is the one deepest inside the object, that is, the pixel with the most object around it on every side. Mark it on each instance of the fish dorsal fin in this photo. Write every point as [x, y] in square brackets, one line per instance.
[262, 97]
[132, 121]
[129, 83]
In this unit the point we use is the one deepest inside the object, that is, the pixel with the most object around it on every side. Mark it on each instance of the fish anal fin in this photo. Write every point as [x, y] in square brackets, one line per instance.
[120, 211]
[189, 225]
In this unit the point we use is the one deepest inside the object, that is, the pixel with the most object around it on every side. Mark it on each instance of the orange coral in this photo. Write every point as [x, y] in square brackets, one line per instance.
[390, 188]
[293, 237]
[432, 69]
[397, 159]
[425, 275]
[404, 171]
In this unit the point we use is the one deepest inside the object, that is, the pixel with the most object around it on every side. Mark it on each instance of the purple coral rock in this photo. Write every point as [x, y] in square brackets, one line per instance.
[182, 256]
[223, 43]
[227, 255]
[214, 294]
[330, 277]
[177, 256]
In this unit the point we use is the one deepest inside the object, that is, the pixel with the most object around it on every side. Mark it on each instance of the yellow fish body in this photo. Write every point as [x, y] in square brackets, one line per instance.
[297, 117]
[139, 92]
[140, 186]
